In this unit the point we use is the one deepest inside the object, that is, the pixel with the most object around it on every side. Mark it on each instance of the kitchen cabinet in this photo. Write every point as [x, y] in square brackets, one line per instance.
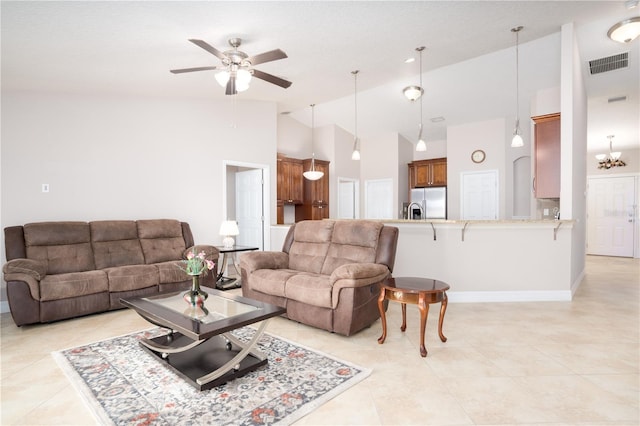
[315, 205]
[289, 180]
[428, 173]
[546, 180]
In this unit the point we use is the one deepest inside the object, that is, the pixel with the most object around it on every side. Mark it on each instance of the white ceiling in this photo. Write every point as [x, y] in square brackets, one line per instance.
[127, 48]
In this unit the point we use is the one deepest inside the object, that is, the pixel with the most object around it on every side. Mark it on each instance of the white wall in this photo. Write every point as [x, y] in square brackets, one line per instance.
[462, 140]
[294, 138]
[127, 158]
[435, 149]
[573, 147]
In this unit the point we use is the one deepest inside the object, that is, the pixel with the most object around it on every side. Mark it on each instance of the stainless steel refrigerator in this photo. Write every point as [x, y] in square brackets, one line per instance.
[432, 202]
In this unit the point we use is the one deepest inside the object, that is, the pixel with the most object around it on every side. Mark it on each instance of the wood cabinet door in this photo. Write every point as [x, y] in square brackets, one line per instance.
[439, 173]
[423, 175]
[547, 156]
[320, 211]
[295, 182]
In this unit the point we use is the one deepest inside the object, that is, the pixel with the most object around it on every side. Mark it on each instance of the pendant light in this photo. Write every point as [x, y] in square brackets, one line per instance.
[312, 174]
[355, 155]
[421, 145]
[612, 160]
[517, 140]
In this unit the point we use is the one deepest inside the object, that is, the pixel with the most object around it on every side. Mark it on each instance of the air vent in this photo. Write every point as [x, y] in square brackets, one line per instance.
[609, 63]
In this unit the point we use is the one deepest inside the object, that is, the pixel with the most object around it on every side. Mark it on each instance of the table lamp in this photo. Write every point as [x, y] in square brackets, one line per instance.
[229, 229]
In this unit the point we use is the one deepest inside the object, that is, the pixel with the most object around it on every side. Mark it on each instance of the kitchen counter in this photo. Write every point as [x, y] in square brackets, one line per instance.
[485, 260]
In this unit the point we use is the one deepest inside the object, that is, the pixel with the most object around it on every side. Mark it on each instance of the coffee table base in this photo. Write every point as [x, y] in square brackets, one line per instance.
[212, 362]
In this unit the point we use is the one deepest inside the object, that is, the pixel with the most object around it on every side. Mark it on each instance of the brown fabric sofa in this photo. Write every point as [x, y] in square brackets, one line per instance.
[58, 270]
[327, 275]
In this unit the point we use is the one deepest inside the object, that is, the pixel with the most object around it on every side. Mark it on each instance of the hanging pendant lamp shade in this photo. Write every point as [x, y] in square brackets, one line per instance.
[517, 140]
[355, 155]
[312, 174]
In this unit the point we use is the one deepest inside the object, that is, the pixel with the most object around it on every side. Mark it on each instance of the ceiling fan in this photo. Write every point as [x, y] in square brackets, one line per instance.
[237, 67]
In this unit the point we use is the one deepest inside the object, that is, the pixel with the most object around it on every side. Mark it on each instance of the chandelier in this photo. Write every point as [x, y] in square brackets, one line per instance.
[613, 160]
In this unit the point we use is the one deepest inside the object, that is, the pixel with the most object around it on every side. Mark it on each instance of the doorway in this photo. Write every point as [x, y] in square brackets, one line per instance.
[348, 198]
[246, 200]
[611, 215]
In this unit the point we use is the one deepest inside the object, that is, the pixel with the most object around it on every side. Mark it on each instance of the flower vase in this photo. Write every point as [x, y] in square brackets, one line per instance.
[195, 296]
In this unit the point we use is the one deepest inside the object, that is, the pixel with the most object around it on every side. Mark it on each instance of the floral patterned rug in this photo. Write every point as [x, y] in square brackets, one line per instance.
[123, 384]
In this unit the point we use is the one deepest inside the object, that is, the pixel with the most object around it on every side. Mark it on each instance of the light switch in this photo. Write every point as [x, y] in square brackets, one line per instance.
[45, 187]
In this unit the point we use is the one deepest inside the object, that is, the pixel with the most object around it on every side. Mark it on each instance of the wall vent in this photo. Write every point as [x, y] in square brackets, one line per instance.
[609, 63]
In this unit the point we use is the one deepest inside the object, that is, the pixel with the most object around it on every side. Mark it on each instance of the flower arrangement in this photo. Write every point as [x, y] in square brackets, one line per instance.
[196, 264]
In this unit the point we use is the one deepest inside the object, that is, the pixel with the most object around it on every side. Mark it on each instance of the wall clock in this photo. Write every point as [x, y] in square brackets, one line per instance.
[478, 156]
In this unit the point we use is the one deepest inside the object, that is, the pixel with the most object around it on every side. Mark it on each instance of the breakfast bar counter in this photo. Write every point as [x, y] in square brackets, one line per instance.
[487, 260]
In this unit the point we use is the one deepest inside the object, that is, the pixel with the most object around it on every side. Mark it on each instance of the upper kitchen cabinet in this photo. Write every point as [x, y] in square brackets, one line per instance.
[315, 204]
[546, 183]
[428, 173]
[290, 190]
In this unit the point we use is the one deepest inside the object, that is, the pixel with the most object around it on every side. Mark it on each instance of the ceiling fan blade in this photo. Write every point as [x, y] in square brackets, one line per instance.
[178, 71]
[272, 55]
[231, 86]
[271, 78]
[206, 46]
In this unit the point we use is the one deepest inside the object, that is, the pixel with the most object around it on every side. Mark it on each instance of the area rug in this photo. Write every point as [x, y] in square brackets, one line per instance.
[124, 385]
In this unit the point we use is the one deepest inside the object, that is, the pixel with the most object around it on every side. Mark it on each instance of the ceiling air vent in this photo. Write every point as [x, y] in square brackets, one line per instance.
[609, 63]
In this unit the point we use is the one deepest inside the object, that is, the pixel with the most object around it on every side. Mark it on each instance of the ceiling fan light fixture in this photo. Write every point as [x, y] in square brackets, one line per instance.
[222, 77]
[625, 31]
[413, 93]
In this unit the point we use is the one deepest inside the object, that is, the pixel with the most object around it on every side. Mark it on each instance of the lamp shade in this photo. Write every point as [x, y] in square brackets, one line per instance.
[229, 228]
[421, 145]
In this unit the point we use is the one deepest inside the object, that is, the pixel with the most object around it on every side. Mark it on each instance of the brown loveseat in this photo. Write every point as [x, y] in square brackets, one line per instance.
[328, 274]
[59, 270]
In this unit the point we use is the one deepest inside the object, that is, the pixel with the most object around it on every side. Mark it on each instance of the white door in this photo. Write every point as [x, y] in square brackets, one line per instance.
[249, 208]
[479, 195]
[378, 199]
[347, 198]
[610, 216]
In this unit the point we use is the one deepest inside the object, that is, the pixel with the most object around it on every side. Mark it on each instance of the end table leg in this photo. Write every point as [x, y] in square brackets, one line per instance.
[443, 309]
[403, 327]
[383, 316]
[423, 306]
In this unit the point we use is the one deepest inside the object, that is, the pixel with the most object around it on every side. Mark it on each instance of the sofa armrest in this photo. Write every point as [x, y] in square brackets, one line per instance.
[252, 261]
[29, 271]
[358, 271]
[35, 268]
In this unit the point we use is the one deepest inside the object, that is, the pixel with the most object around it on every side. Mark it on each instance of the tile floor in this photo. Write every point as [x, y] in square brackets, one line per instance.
[552, 363]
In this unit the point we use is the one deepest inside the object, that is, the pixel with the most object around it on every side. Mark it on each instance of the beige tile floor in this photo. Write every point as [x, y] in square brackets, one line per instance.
[551, 363]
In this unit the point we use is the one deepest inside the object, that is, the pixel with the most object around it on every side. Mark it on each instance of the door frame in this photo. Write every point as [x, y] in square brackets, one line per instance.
[266, 194]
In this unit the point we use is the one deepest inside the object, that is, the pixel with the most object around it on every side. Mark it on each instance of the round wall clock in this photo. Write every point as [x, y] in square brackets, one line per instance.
[478, 156]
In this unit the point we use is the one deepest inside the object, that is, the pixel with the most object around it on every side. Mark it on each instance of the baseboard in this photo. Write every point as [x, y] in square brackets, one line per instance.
[4, 307]
[509, 296]
[577, 282]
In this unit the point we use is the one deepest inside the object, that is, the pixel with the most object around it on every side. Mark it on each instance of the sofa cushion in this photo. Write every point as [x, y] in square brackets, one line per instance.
[75, 284]
[132, 277]
[115, 243]
[64, 246]
[161, 240]
[171, 272]
[311, 289]
[352, 242]
[310, 245]
[271, 281]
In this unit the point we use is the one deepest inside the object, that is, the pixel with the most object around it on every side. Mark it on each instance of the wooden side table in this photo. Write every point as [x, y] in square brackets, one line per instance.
[417, 291]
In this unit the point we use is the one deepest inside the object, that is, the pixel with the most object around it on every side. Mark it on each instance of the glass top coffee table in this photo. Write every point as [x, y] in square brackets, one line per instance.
[200, 346]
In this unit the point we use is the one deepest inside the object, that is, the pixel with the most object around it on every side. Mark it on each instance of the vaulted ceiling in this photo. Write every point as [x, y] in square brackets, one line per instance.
[127, 48]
